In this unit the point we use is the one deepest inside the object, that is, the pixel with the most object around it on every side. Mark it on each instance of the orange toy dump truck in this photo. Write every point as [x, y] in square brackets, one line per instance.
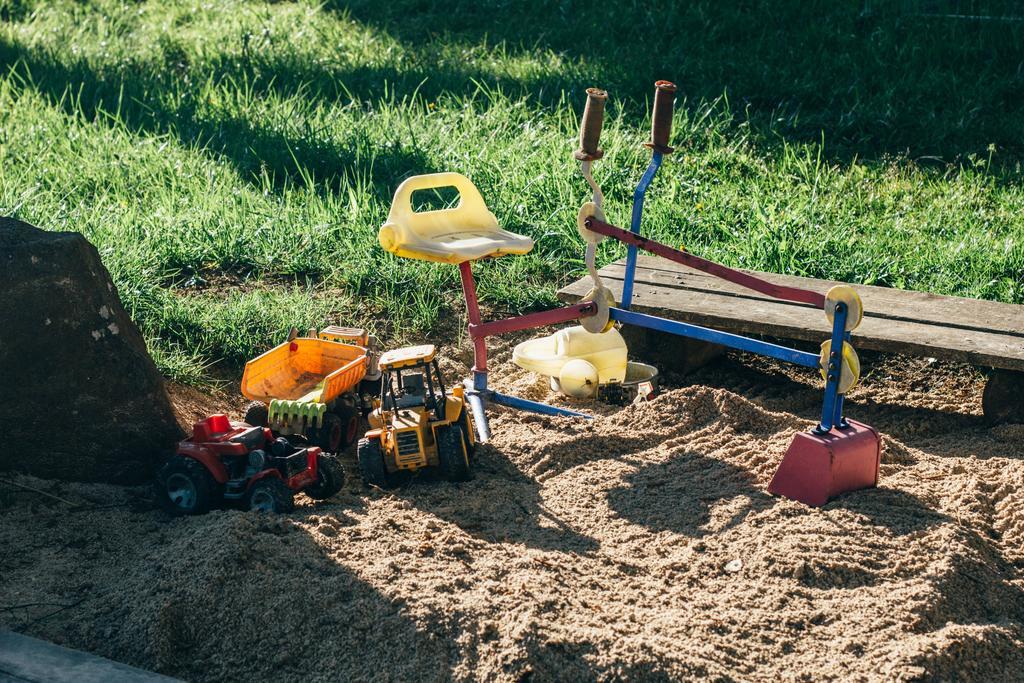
[316, 386]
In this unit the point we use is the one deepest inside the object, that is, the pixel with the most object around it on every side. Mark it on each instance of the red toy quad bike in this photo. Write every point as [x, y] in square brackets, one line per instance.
[233, 461]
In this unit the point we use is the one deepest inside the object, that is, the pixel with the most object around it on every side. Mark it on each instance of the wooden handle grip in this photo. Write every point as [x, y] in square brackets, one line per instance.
[590, 126]
[661, 119]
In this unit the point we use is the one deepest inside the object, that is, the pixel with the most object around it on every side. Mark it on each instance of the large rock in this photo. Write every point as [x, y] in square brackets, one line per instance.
[80, 397]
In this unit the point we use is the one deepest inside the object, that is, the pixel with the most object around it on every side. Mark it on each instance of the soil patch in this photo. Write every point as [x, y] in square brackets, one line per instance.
[639, 544]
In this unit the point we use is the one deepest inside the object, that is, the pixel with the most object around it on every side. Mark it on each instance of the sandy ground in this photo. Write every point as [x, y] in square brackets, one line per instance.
[639, 545]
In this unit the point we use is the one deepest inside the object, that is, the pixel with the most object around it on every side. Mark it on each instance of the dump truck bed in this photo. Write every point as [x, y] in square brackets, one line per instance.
[306, 369]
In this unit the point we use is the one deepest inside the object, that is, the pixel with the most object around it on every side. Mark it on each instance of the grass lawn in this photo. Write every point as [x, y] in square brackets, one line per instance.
[233, 160]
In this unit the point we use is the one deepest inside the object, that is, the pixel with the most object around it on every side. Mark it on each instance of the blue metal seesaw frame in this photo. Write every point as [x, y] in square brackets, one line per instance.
[478, 391]
[832, 405]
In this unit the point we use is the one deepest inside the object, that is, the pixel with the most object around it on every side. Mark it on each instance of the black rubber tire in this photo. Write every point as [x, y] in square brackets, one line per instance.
[330, 477]
[371, 464]
[468, 436]
[329, 436]
[272, 493]
[1001, 400]
[257, 414]
[453, 460]
[368, 389]
[203, 486]
[349, 416]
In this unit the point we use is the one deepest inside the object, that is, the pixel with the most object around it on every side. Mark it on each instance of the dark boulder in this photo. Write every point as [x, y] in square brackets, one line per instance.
[80, 398]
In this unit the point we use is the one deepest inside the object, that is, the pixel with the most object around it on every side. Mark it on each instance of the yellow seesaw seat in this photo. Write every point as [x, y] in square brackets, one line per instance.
[465, 233]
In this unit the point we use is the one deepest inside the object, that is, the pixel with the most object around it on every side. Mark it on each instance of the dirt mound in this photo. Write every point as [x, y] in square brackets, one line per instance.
[640, 544]
[192, 404]
[75, 367]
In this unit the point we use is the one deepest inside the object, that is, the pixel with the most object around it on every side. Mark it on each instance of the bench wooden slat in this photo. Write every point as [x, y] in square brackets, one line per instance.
[899, 304]
[691, 296]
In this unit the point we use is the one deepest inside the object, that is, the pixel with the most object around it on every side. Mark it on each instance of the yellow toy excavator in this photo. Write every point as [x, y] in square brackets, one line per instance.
[416, 423]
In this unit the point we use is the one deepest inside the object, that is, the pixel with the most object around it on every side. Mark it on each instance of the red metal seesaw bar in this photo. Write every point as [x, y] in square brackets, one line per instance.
[742, 279]
[479, 330]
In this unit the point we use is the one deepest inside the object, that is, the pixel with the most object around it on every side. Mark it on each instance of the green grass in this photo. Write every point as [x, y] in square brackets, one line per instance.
[256, 146]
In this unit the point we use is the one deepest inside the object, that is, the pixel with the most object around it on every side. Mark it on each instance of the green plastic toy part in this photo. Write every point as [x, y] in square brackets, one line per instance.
[292, 414]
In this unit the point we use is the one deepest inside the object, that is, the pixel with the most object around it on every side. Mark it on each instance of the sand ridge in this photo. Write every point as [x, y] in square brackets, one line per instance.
[639, 544]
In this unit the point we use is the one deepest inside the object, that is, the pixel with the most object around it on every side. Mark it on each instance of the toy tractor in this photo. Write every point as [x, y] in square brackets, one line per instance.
[415, 422]
[315, 387]
[233, 461]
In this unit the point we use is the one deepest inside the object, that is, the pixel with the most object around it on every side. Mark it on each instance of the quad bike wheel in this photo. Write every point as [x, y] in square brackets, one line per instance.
[270, 494]
[330, 477]
[371, 464]
[453, 460]
[185, 487]
[330, 434]
[257, 414]
[349, 416]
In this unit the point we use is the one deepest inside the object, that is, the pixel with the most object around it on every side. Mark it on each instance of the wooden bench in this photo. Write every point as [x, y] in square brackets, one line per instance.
[982, 333]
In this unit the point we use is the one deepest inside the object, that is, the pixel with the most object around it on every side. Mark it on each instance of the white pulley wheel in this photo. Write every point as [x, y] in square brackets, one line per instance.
[578, 379]
[600, 321]
[847, 295]
[586, 211]
[849, 367]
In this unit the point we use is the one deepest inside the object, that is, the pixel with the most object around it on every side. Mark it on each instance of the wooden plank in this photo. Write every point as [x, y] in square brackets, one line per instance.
[699, 284]
[23, 658]
[895, 304]
[703, 304]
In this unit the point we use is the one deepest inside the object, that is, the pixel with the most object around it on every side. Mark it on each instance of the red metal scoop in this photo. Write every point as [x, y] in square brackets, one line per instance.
[819, 467]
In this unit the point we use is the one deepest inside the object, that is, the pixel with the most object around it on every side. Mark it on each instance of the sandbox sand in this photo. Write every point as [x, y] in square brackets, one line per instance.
[639, 545]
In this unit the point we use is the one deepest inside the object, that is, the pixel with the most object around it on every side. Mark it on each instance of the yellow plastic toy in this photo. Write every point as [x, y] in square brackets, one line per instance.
[849, 373]
[465, 233]
[847, 295]
[416, 422]
[309, 386]
[470, 232]
[577, 361]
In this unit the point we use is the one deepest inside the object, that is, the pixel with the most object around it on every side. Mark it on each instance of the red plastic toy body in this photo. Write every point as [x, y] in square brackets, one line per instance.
[216, 437]
[235, 461]
[818, 467]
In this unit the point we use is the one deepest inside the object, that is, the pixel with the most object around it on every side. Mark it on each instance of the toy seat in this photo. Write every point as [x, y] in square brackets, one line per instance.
[466, 233]
[212, 428]
[251, 438]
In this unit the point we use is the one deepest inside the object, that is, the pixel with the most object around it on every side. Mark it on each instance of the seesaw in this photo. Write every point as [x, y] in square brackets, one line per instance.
[838, 455]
